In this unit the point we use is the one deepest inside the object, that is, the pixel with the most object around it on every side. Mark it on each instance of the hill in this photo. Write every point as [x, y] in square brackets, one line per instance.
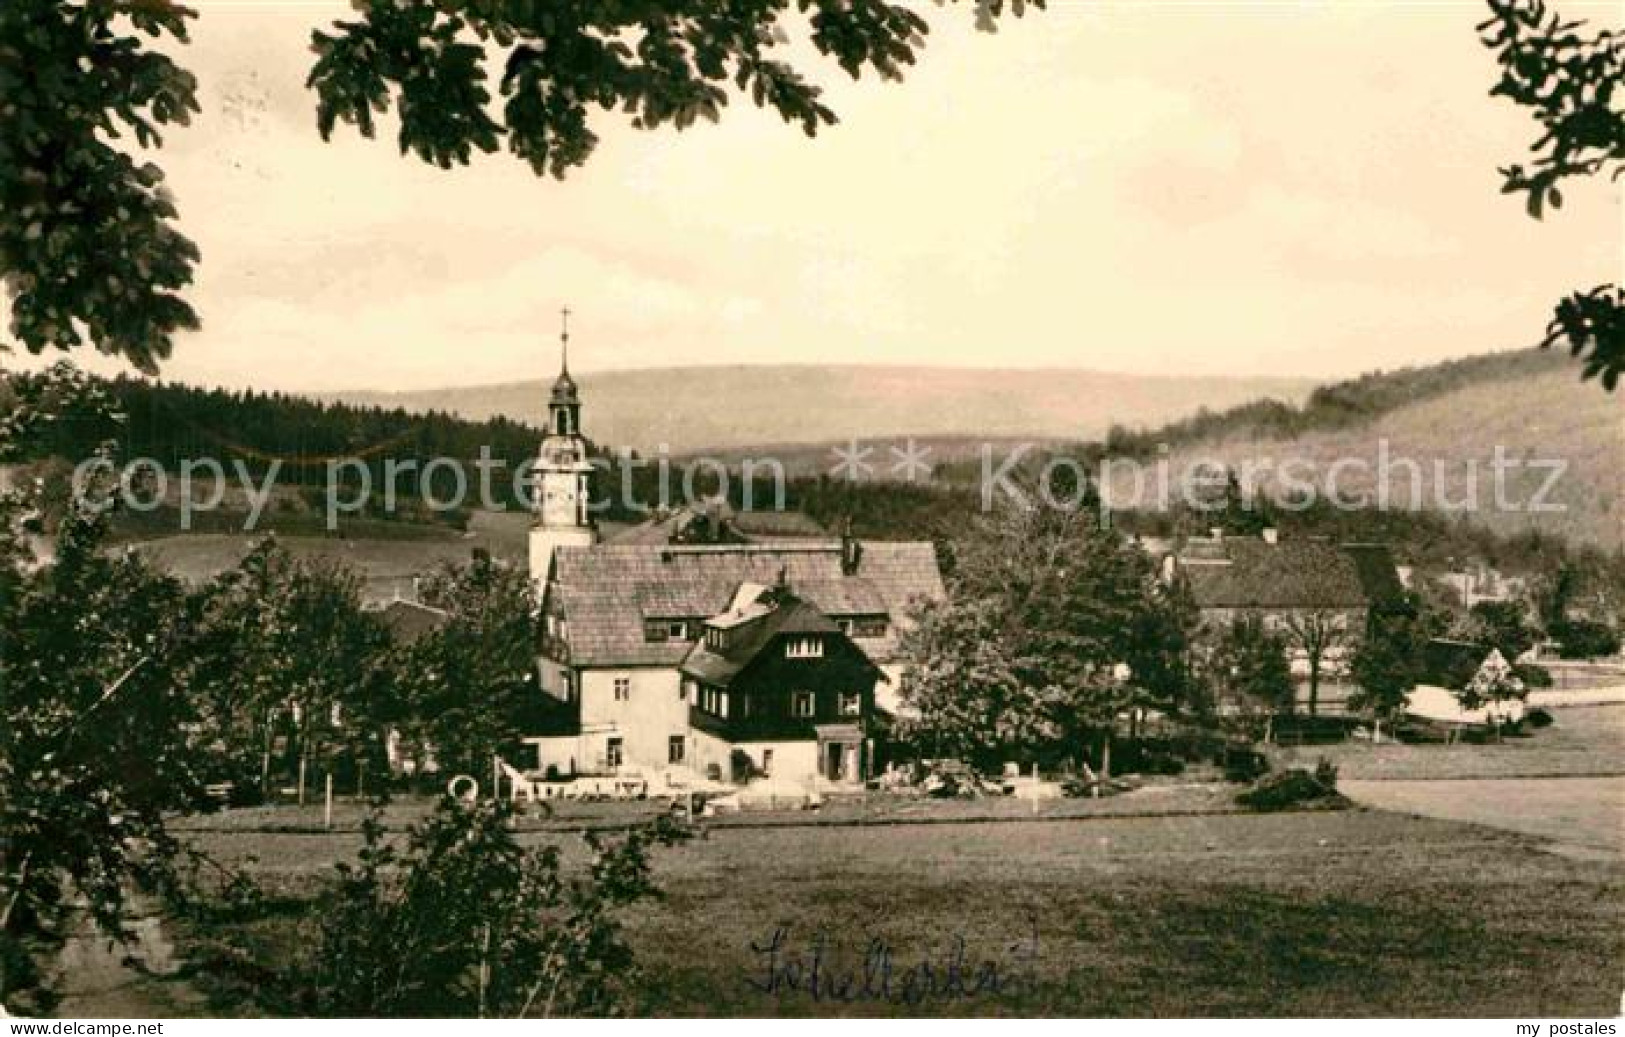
[1449, 421]
[695, 408]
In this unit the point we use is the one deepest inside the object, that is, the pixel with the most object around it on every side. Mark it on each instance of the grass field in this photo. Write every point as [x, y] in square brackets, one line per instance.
[1342, 913]
[1582, 741]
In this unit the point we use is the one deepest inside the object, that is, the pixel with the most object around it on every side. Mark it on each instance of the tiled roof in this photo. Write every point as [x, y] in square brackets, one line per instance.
[409, 620]
[1287, 574]
[716, 521]
[748, 640]
[604, 593]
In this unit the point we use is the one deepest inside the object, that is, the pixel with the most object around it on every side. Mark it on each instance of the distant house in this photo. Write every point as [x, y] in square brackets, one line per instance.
[407, 621]
[715, 521]
[1452, 670]
[1318, 595]
[1477, 584]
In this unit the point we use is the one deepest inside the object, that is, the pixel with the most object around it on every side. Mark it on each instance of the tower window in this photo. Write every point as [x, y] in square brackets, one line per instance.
[802, 703]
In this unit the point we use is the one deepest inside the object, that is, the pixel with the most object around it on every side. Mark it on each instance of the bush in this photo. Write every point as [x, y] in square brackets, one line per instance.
[1533, 676]
[1295, 787]
[1585, 639]
[462, 921]
[1242, 763]
[1538, 718]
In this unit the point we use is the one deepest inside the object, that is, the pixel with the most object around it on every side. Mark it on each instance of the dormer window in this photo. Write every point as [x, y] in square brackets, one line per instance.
[804, 648]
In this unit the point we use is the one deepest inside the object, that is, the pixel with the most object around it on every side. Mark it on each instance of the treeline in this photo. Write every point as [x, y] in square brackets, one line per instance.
[301, 436]
[1330, 407]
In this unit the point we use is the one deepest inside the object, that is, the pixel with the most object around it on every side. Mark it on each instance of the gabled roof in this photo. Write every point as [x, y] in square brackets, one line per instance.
[747, 639]
[604, 593]
[1240, 572]
[409, 620]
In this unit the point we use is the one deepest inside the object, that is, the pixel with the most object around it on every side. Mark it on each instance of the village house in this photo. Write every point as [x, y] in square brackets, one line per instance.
[1461, 684]
[659, 643]
[1319, 596]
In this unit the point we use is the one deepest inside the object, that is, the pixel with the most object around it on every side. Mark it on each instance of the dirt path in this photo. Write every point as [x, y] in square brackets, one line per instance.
[1578, 817]
[97, 980]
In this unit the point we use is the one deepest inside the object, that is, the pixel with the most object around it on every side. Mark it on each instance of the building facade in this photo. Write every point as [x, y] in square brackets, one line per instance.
[636, 643]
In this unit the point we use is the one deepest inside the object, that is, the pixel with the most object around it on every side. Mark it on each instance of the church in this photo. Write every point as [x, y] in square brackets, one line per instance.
[728, 657]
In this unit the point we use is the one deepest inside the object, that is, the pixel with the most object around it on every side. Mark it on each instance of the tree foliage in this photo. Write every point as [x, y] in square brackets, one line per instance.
[287, 659]
[1568, 76]
[1055, 625]
[98, 742]
[89, 249]
[661, 62]
[1247, 665]
[463, 922]
[468, 688]
[1387, 662]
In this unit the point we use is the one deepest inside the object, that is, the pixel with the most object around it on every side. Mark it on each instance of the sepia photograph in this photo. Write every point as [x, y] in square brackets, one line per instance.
[811, 509]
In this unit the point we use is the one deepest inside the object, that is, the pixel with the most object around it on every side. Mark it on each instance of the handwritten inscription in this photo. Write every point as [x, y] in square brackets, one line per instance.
[825, 970]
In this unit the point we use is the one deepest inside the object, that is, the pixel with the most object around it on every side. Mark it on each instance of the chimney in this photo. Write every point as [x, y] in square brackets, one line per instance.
[851, 550]
[1271, 535]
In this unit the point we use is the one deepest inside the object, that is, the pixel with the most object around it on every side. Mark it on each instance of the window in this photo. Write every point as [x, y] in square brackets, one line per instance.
[623, 689]
[804, 648]
[845, 626]
[767, 761]
[677, 630]
[613, 754]
[654, 631]
[674, 749]
[801, 703]
[851, 703]
[715, 640]
[870, 626]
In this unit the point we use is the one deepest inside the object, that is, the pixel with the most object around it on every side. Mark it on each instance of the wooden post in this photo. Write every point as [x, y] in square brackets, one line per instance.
[1035, 788]
[327, 809]
[301, 776]
[361, 778]
[496, 777]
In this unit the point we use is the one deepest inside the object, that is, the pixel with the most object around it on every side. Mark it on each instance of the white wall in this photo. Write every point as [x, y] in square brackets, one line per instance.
[792, 761]
[653, 712]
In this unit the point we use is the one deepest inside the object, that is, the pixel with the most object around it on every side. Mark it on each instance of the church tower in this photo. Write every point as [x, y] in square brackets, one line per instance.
[562, 475]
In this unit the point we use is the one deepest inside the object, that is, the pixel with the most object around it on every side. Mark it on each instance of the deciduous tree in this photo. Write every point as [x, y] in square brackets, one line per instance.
[1569, 76]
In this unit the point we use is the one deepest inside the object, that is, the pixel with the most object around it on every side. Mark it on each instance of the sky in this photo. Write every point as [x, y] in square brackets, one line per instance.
[1299, 188]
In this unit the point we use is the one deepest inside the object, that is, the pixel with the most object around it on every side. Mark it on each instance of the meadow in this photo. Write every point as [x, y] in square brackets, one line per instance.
[1356, 912]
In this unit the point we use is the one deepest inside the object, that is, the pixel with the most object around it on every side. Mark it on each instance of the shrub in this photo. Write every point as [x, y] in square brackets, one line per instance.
[1533, 676]
[1242, 763]
[1538, 718]
[1585, 639]
[1291, 788]
[462, 921]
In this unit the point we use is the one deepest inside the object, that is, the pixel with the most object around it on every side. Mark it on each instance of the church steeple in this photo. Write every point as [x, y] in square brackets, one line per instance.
[564, 405]
[563, 473]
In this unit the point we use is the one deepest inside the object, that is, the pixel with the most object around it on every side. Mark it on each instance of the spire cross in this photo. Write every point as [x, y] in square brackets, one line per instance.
[564, 339]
